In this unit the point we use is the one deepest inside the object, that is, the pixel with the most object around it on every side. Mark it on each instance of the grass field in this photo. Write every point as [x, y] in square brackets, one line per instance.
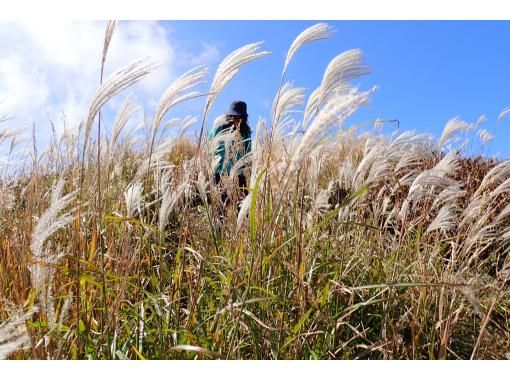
[114, 243]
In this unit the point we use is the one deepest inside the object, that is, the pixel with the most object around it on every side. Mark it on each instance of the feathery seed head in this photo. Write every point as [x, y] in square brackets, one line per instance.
[452, 128]
[176, 93]
[229, 68]
[289, 98]
[110, 27]
[14, 335]
[332, 115]
[133, 199]
[485, 136]
[126, 110]
[115, 83]
[316, 32]
[445, 220]
[504, 114]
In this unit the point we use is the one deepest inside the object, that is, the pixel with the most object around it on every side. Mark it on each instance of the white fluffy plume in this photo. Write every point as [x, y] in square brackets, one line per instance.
[13, 334]
[244, 210]
[444, 220]
[51, 220]
[504, 114]
[435, 179]
[170, 197]
[44, 258]
[316, 32]
[110, 28]
[452, 128]
[331, 116]
[485, 136]
[124, 113]
[343, 68]
[289, 98]
[176, 93]
[496, 175]
[229, 68]
[132, 197]
[115, 83]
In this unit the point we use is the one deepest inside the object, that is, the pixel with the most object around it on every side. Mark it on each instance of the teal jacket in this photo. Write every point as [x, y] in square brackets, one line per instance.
[221, 124]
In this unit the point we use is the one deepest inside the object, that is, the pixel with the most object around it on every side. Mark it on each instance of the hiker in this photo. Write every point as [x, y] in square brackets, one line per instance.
[231, 137]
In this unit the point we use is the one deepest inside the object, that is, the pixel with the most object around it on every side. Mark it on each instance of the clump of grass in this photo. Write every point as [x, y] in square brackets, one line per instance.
[347, 246]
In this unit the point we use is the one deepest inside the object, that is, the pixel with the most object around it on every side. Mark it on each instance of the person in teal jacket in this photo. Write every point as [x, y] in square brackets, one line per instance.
[231, 136]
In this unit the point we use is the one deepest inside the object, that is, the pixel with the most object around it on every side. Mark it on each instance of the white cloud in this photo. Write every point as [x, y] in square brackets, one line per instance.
[20, 82]
[51, 67]
[210, 53]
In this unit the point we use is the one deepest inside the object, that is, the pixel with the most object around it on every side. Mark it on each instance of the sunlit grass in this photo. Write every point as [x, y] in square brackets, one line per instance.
[348, 245]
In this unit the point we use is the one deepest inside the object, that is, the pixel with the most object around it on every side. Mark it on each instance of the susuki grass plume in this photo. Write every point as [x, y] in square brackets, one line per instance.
[504, 114]
[14, 335]
[316, 32]
[45, 257]
[113, 84]
[230, 67]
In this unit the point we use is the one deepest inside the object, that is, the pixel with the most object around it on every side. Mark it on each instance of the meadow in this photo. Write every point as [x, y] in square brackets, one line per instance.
[114, 243]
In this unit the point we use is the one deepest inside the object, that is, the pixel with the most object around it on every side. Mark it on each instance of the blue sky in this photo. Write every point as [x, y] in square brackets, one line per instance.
[427, 71]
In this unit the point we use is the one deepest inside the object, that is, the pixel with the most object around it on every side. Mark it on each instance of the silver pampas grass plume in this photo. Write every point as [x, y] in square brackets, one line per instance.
[229, 68]
[170, 197]
[343, 68]
[132, 197]
[444, 221]
[449, 195]
[177, 93]
[334, 113]
[485, 136]
[126, 110]
[186, 124]
[504, 114]
[51, 220]
[503, 214]
[290, 97]
[428, 179]
[448, 165]
[244, 210]
[435, 179]
[482, 119]
[13, 334]
[503, 188]
[316, 32]
[110, 27]
[9, 132]
[311, 106]
[115, 83]
[496, 175]
[452, 127]
[44, 259]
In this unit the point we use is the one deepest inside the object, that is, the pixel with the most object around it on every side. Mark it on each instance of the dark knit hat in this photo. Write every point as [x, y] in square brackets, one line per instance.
[237, 108]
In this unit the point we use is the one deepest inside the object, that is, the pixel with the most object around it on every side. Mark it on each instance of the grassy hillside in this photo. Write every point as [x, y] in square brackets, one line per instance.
[114, 243]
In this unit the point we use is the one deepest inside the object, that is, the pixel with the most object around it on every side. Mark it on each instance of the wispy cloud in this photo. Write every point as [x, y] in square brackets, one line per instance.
[209, 54]
[51, 68]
